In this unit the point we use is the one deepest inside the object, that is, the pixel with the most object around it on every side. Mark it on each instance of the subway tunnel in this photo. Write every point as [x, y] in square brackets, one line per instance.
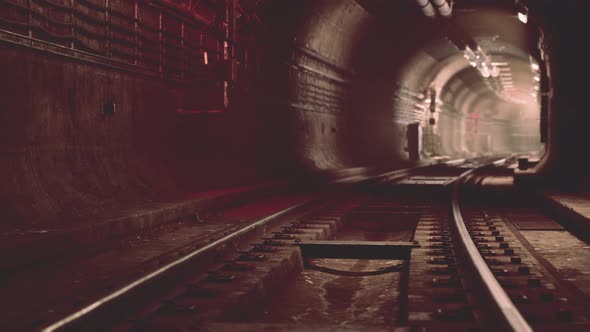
[132, 130]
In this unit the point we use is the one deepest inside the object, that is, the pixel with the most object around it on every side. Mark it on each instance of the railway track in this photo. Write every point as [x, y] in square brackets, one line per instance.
[499, 223]
[401, 251]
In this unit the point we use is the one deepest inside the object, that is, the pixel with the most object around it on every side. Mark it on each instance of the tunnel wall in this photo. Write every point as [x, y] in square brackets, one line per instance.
[171, 134]
[321, 77]
[61, 157]
[567, 161]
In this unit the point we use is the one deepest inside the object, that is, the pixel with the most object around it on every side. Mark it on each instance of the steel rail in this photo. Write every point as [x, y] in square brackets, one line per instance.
[511, 316]
[401, 173]
[89, 309]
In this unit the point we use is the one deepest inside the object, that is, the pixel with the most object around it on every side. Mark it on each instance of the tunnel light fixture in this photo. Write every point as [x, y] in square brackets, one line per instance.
[534, 66]
[537, 78]
[479, 60]
[522, 12]
[495, 71]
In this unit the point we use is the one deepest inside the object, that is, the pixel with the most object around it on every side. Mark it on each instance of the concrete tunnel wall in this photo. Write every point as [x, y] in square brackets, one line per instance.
[567, 161]
[62, 158]
[321, 83]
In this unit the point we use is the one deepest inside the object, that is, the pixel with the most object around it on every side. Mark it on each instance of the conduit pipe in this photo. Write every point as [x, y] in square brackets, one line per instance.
[200, 11]
[427, 8]
[442, 6]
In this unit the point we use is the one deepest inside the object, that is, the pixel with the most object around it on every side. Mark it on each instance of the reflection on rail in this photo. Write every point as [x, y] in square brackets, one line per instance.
[509, 316]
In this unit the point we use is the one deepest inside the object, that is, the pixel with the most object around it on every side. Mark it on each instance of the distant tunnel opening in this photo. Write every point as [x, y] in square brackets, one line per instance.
[478, 96]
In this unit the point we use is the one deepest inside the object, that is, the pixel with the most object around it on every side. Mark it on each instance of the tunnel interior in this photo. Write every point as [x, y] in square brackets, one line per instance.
[138, 136]
[97, 121]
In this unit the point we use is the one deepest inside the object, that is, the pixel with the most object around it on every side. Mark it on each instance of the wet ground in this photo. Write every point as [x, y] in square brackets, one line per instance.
[352, 293]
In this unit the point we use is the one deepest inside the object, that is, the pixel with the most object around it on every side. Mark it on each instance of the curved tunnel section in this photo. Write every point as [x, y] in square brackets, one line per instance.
[477, 108]
[282, 90]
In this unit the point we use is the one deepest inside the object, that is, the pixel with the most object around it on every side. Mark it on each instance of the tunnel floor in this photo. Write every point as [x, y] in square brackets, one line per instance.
[338, 293]
[316, 298]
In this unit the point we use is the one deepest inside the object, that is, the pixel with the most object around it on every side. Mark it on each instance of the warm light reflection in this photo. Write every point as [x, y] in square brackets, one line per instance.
[523, 17]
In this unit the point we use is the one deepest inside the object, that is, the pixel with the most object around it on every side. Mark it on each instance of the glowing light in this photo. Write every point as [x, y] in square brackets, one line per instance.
[537, 78]
[495, 71]
[523, 17]
[225, 50]
[205, 58]
[535, 66]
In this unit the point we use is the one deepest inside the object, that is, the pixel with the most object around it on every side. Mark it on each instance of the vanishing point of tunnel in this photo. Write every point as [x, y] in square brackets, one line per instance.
[294, 165]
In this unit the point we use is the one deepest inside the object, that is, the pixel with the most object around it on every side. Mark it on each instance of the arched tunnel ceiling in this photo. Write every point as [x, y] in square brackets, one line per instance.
[443, 62]
[501, 37]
